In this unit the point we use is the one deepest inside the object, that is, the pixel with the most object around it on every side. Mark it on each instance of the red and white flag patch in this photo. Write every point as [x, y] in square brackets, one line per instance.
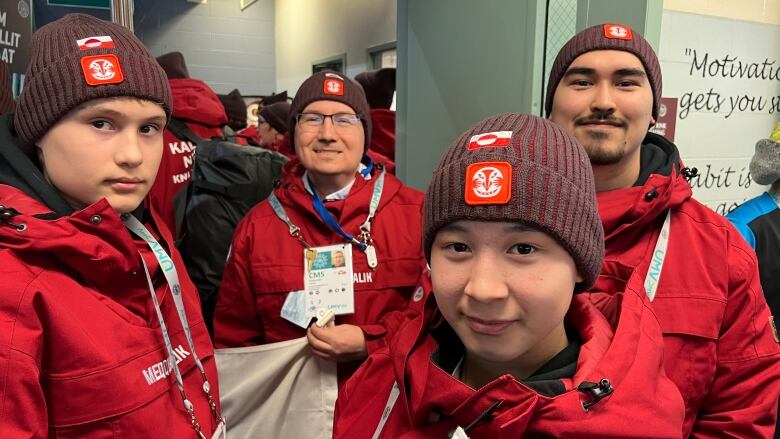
[488, 183]
[333, 87]
[333, 75]
[102, 69]
[618, 32]
[496, 139]
[104, 42]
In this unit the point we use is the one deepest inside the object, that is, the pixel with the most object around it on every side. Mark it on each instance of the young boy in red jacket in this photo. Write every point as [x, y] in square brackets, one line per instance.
[100, 327]
[515, 347]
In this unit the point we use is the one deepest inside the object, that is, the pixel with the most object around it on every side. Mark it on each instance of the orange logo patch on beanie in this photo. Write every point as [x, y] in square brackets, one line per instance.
[496, 139]
[104, 42]
[102, 69]
[617, 31]
[333, 87]
[488, 183]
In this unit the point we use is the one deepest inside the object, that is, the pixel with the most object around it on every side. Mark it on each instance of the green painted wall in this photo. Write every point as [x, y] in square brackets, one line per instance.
[460, 61]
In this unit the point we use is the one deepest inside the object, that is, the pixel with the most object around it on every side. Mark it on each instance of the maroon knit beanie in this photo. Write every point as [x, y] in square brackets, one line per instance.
[6, 94]
[379, 86]
[276, 115]
[328, 85]
[234, 104]
[606, 36]
[519, 168]
[174, 65]
[79, 58]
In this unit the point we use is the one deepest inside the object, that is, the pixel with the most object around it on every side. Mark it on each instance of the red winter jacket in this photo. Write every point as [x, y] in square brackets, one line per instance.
[383, 132]
[197, 105]
[621, 342]
[266, 262]
[720, 350]
[81, 352]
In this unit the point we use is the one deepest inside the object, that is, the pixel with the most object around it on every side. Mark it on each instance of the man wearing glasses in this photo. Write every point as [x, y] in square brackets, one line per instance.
[332, 195]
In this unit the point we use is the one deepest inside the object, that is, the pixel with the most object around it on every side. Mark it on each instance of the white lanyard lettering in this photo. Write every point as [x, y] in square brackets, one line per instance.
[658, 257]
[172, 277]
[366, 241]
[394, 392]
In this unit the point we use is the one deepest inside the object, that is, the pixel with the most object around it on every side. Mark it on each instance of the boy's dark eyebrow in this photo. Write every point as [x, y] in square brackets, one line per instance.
[628, 71]
[517, 227]
[108, 110]
[579, 71]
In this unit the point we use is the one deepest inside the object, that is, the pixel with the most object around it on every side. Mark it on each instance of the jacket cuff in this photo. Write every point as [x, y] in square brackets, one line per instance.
[375, 337]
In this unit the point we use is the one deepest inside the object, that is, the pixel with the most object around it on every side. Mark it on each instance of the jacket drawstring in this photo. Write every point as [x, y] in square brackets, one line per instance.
[486, 415]
[598, 391]
[7, 214]
[689, 173]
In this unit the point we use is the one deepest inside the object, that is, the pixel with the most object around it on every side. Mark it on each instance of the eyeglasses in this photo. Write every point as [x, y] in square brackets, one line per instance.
[313, 121]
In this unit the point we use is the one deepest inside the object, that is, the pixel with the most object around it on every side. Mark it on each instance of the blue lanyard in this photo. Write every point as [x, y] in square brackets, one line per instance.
[330, 220]
[365, 228]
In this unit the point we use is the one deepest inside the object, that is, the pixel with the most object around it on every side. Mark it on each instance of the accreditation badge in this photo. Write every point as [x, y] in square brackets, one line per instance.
[327, 279]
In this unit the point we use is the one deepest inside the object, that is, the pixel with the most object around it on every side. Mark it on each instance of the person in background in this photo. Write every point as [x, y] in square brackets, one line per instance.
[331, 194]
[197, 106]
[272, 124]
[100, 328]
[758, 220]
[701, 277]
[6, 93]
[235, 109]
[379, 86]
[511, 345]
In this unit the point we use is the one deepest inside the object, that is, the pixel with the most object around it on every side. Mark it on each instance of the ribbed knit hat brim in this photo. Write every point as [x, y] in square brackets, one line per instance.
[276, 115]
[6, 93]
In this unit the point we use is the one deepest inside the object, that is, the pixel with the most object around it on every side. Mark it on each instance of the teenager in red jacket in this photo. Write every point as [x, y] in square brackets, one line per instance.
[93, 343]
[515, 348]
[196, 104]
[331, 186]
[701, 276]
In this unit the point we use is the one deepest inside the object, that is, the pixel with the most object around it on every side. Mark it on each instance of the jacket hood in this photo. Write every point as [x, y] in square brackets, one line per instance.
[661, 186]
[194, 101]
[621, 342]
[19, 168]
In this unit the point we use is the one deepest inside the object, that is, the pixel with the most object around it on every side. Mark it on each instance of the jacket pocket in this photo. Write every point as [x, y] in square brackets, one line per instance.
[691, 328]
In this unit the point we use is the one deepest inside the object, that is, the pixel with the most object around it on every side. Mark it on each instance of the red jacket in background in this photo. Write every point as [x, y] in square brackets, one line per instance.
[383, 132]
[248, 134]
[621, 342]
[266, 262]
[719, 347]
[81, 351]
[197, 105]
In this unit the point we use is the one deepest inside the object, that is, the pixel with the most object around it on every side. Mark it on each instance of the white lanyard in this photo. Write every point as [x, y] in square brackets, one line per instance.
[394, 392]
[172, 277]
[658, 257]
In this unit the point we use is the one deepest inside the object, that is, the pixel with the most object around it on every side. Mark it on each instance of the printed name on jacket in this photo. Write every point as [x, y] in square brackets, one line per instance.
[161, 370]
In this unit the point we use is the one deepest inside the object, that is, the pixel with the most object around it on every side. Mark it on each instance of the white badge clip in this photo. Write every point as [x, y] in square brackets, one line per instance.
[371, 256]
[325, 318]
[459, 433]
